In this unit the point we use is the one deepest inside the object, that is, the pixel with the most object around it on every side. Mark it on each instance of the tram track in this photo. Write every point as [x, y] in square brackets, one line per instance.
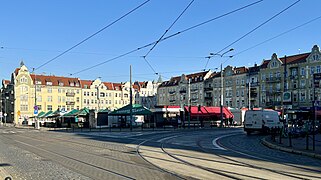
[82, 149]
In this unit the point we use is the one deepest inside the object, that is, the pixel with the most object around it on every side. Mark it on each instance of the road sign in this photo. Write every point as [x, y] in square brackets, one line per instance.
[35, 108]
[5, 114]
[35, 111]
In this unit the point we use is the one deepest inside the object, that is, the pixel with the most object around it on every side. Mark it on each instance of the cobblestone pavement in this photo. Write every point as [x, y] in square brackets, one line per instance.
[21, 164]
[187, 154]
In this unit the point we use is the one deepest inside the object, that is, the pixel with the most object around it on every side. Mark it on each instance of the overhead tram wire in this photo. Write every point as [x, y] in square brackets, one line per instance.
[265, 22]
[164, 35]
[89, 37]
[281, 34]
[169, 28]
[168, 37]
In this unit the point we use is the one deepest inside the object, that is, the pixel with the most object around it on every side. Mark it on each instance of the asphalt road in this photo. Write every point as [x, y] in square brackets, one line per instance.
[195, 154]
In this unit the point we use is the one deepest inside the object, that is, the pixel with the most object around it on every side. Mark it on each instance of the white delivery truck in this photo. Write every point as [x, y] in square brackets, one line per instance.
[261, 120]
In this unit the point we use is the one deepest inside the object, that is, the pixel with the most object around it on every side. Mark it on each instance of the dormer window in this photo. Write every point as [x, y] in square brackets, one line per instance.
[49, 83]
[77, 84]
[60, 83]
[72, 84]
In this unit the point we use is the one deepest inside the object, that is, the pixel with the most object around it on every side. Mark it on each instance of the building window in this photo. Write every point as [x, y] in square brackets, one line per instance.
[85, 101]
[77, 99]
[49, 89]
[23, 80]
[85, 93]
[39, 107]
[49, 107]
[302, 83]
[38, 88]
[318, 69]
[302, 71]
[302, 96]
[39, 98]
[312, 70]
[23, 107]
[49, 98]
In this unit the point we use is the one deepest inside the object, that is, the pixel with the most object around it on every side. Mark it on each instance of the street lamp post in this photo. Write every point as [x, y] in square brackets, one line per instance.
[221, 99]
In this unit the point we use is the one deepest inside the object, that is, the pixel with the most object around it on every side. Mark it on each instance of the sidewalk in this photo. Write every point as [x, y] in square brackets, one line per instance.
[299, 145]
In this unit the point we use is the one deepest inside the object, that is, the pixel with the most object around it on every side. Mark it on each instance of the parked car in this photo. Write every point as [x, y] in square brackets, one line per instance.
[261, 120]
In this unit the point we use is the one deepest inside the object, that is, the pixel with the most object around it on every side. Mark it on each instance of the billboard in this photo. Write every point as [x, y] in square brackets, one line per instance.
[287, 97]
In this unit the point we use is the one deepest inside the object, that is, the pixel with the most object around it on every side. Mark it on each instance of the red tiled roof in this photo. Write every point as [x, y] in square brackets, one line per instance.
[241, 70]
[85, 82]
[5, 82]
[109, 85]
[16, 71]
[299, 58]
[56, 80]
[117, 86]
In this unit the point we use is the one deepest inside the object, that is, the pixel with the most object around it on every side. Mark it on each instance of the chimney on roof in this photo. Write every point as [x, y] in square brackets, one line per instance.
[255, 65]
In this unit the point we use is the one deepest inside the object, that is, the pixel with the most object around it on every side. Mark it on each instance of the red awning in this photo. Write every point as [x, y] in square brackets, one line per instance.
[209, 111]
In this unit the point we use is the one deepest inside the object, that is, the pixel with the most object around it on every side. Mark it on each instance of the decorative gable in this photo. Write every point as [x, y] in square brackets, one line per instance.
[275, 62]
[315, 55]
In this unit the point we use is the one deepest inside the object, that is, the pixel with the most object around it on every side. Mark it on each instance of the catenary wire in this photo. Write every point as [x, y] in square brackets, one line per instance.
[281, 34]
[167, 37]
[169, 28]
[145, 57]
[89, 37]
[257, 27]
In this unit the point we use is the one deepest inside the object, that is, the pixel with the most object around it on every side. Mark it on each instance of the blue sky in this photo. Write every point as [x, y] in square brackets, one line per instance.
[35, 31]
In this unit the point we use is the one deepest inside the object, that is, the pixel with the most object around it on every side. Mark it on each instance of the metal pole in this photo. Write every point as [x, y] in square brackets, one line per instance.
[221, 105]
[5, 111]
[315, 117]
[249, 95]
[189, 102]
[131, 98]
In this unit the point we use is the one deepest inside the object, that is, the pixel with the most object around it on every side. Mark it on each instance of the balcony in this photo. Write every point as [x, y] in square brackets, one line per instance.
[273, 79]
[294, 77]
[70, 102]
[194, 90]
[172, 100]
[208, 88]
[182, 91]
[70, 94]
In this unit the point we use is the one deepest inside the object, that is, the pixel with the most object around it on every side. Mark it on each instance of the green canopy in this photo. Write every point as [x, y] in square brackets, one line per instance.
[47, 114]
[41, 114]
[82, 112]
[71, 113]
[137, 110]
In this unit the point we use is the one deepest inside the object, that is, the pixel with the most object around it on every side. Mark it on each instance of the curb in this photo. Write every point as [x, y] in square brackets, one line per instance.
[289, 150]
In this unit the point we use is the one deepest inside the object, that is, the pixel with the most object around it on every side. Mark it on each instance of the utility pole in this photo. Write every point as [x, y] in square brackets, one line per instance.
[221, 105]
[249, 95]
[130, 98]
[284, 87]
[189, 103]
[35, 104]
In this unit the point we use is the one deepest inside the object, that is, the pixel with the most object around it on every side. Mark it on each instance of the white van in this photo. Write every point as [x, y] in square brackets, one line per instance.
[261, 120]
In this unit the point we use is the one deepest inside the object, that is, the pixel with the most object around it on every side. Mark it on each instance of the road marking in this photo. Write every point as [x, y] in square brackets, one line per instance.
[215, 144]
